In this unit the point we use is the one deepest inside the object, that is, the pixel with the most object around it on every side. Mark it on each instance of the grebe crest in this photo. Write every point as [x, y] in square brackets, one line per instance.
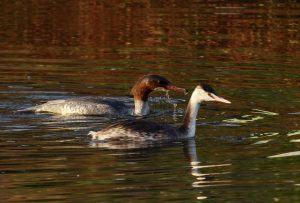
[205, 92]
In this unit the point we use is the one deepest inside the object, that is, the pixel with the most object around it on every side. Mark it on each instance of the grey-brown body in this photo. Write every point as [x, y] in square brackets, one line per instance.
[138, 130]
[83, 106]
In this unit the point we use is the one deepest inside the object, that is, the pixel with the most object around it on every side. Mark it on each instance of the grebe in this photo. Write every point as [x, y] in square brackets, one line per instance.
[142, 130]
[102, 106]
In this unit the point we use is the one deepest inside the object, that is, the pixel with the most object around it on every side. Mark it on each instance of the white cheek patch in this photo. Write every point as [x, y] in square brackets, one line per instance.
[196, 96]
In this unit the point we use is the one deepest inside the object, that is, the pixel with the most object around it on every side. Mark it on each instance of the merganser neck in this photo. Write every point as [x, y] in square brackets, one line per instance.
[143, 88]
[141, 93]
[188, 128]
[141, 108]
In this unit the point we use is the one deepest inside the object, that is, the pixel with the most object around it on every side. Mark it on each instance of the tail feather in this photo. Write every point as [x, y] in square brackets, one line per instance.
[48, 106]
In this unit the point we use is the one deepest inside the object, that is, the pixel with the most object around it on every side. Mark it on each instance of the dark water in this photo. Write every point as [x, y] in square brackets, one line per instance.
[244, 152]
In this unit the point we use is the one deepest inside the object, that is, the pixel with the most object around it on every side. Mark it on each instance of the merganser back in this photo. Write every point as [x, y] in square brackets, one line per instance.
[142, 130]
[101, 106]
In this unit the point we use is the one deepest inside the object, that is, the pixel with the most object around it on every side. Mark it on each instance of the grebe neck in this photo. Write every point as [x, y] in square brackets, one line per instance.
[141, 108]
[188, 128]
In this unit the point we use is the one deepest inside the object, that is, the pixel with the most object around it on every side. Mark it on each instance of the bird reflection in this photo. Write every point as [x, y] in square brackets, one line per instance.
[190, 151]
[201, 179]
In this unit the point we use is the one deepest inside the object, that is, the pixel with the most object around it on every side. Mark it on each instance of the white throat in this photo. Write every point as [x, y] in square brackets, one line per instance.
[191, 116]
[141, 108]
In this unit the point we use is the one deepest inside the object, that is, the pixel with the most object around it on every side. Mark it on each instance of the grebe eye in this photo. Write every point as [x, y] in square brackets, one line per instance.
[210, 94]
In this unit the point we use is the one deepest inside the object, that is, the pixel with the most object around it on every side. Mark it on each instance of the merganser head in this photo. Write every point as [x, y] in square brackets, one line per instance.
[148, 83]
[204, 92]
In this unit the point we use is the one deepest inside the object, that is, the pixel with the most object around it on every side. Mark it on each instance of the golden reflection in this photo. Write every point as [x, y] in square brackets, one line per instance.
[91, 29]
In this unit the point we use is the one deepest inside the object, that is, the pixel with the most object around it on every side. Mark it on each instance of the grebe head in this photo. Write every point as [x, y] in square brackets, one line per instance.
[204, 92]
[148, 83]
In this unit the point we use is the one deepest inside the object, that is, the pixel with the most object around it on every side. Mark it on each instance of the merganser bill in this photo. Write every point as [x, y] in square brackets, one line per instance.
[101, 106]
[143, 130]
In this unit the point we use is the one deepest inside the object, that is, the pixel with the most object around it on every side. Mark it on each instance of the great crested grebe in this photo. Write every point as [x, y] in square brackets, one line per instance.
[101, 106]
[142, 130]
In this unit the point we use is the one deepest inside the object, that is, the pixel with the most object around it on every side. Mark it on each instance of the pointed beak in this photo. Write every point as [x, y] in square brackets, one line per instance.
[177, 89]
[220, 99]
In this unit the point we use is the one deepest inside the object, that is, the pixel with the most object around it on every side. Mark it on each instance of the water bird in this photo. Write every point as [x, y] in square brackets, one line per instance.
[143, 130]
[103, 106]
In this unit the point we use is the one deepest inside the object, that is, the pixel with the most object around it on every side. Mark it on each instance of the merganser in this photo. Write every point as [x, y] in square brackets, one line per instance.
[142, 130]
[103, 106]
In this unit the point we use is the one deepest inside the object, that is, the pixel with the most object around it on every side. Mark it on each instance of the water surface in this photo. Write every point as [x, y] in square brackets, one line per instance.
[244, 152]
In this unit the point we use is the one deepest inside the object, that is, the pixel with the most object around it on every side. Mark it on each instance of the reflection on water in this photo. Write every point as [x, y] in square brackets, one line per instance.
[202, 180]
[245, 152]
[94, 29]
[297, 153]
